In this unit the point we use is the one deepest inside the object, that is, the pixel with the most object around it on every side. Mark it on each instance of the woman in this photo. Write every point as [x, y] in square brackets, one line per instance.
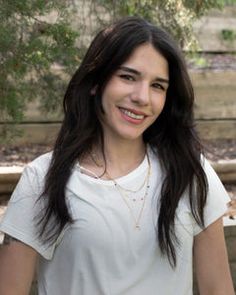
[125, 202]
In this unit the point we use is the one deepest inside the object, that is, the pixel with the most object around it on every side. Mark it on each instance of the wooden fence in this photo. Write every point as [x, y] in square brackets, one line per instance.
[215, 110]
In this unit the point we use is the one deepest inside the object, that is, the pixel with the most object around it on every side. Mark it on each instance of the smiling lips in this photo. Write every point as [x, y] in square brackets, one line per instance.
[132, 115]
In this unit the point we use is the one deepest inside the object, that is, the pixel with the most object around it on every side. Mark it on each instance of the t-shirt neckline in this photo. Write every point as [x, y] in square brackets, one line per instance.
[141, 168]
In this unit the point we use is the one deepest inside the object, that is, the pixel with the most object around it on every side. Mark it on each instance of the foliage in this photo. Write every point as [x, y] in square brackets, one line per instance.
[228, 35]
[229, 2]
[176, 16]
[35, 35]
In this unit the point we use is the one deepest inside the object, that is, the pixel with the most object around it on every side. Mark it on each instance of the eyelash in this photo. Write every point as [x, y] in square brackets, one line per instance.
[158, 86]
[131, 78]
[127, 77]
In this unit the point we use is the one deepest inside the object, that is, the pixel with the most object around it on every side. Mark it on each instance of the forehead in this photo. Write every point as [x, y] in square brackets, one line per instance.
[148, 60]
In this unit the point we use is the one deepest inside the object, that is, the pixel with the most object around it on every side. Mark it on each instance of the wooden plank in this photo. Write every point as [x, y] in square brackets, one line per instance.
[212, 102]
[225, 166]
[9, 176]
[210, 130]
[216, 103]
[208, 30]
[210, 78]
[34, 113]
[46, 133]
[215, 94]
[37, 133]
[7, 188]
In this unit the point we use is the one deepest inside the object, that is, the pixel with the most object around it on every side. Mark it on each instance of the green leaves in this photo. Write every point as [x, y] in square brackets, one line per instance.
[176, 16]
[228, 35]
[35, 37]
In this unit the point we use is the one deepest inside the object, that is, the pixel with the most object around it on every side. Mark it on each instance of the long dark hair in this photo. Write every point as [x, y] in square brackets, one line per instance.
[172, 134]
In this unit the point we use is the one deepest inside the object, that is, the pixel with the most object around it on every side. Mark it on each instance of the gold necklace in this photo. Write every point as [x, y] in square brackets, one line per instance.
[125, 197]
[99, 164]
[133, 191]
[125, 190]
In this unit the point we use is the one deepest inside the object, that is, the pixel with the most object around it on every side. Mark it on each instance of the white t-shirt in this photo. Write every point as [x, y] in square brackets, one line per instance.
[102, 253]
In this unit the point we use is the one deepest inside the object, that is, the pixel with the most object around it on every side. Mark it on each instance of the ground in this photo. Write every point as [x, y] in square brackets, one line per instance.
[21, 155]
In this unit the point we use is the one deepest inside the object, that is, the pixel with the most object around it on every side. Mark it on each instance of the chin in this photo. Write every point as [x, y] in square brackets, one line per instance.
[131, 136]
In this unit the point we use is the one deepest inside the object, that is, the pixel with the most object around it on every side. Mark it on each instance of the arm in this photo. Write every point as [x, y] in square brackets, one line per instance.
[17, 267]
[211, 261]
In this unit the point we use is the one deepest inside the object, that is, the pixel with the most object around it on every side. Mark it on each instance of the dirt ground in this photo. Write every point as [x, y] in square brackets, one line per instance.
[21, 155]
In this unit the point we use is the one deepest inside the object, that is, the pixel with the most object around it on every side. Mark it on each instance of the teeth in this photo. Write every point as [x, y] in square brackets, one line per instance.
[132, 115]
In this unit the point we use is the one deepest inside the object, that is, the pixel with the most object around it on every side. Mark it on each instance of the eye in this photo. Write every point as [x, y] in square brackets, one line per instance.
[127, 77]
[158, 86]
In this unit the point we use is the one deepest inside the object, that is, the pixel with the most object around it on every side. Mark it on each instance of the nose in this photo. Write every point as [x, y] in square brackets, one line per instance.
[141, 93]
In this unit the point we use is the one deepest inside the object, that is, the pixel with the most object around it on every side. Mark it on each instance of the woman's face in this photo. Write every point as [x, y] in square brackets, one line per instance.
[135, 95]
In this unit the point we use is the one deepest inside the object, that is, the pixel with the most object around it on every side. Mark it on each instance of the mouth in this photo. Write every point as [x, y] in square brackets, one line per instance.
[132, 114]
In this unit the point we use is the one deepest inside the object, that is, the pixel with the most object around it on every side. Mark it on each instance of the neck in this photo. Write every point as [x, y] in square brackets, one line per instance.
[121, 157]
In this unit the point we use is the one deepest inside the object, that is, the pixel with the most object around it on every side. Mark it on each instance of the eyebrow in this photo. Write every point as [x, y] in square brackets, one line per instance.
[133, 71]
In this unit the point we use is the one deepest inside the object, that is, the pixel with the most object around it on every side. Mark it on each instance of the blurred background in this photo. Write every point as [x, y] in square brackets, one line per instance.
[42, 43]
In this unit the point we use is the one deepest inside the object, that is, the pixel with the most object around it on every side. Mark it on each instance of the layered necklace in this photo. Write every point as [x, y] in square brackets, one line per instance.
[129, 195]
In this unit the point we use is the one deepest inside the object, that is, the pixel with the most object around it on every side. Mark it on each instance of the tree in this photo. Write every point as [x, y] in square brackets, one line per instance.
[176, 16]
[35, 36]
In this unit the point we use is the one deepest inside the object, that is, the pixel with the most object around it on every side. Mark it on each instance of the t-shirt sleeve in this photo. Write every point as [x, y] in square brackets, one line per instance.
[24, 207]
[217, 198]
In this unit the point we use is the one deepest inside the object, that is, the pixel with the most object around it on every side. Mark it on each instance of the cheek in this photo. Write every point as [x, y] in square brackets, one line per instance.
[108, 97]
[163, 103]
[108, 105]
[159, 104]
[105, 101]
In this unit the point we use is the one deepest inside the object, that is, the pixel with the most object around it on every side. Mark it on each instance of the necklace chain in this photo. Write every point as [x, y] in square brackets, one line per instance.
[125, 197]
[129, 190]
[99, 164]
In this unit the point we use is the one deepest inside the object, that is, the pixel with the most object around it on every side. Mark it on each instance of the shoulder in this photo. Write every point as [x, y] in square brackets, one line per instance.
[40, 164]
[213, 180]
[206, 165]
[34, 173]
[217, 196]
[43, 161]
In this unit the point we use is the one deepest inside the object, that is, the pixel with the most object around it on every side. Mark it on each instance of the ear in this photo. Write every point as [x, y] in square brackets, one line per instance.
[94, 90]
